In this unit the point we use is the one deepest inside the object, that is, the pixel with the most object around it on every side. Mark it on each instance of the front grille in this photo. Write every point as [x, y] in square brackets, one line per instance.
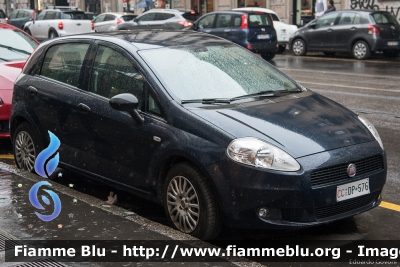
[339, 172]
[345, 206]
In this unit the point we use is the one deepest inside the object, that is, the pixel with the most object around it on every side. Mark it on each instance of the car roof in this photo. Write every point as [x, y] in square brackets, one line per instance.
[158, 38]
[259, 9]
[117, 13]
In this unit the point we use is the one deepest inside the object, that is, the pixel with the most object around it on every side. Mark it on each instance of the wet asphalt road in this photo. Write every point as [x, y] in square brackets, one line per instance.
[370, 88]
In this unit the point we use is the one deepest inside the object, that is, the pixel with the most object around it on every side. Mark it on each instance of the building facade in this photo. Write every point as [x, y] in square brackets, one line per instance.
[297, 12]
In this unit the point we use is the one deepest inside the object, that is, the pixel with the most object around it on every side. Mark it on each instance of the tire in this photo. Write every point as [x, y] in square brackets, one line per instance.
[28, 31]
[330, 54]
[188, 195]
[360, 50]
[26, 147]
[281, 49]
[268, 56]
[53, 34]
[391, 53]
[299, 47]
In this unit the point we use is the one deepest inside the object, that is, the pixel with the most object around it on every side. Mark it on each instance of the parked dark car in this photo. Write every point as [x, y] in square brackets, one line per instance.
[360, 32]
[3, 16]
[201, 125]
[19, 17]
[250, 29]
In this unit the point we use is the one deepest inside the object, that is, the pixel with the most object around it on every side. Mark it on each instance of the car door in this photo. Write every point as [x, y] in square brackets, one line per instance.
[322, 36]
[120, 149]
[56, 89]
[222, 27]
[99, 23]
[37, 25]
[146, 19]
[109, 21]
[348, 27]
[205, 24]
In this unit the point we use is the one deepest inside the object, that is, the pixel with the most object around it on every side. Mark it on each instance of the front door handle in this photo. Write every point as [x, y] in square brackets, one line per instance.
[329, 30]
[32, 90]
[353, 28]
[84, 108]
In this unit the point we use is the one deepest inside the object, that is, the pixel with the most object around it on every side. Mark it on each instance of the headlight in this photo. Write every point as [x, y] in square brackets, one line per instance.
[372, 129]
[252, 151]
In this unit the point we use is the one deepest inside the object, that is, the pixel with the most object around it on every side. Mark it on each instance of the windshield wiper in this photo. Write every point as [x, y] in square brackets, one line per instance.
[4, 59]
[208, 101]
[15, 49]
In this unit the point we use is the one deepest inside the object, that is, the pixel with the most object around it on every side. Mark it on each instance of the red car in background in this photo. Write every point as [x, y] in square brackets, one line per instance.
[15, 48]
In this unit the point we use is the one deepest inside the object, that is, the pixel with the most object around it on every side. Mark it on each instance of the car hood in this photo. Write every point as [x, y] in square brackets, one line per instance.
[300, 124]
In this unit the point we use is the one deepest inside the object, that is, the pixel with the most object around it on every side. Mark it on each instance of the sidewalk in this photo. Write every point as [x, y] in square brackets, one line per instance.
[82, 218]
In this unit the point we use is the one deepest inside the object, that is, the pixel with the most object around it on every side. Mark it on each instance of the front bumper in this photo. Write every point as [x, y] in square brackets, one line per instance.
[243, 190]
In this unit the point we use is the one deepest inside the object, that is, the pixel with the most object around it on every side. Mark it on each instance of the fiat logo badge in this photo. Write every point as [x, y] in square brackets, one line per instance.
[351, 170]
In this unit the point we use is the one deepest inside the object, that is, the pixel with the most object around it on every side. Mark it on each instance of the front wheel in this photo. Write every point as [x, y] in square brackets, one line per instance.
[26, 147]
[190, 203]
[299, 47]
[361, 50]
[268, 56]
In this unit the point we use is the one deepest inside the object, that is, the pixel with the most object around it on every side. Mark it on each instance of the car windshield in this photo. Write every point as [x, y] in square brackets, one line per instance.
[384, 18]
[15, 45]
[214, 71]
[76, 15]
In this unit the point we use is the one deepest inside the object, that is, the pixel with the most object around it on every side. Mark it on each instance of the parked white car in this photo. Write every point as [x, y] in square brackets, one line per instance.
[283, 30]
[58, 21]
[109, 21]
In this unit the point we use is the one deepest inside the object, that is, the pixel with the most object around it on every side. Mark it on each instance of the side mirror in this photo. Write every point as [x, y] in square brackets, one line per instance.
[312, 25]
[128, 103]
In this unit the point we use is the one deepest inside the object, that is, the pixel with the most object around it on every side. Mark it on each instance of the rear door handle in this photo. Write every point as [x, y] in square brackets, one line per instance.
[353, 28]
[32, 90]
[84, 108]
[329, 30]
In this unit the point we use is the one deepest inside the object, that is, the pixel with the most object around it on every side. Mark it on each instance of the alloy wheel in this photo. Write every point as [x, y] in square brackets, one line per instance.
[360, 50]
[25, 151]
[298, 47]
[183, 204]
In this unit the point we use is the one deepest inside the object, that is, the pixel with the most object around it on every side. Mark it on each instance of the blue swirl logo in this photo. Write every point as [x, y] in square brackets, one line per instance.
[45, 165]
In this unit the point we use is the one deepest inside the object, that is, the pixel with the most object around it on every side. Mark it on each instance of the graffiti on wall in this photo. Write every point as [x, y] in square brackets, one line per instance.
[370, 4]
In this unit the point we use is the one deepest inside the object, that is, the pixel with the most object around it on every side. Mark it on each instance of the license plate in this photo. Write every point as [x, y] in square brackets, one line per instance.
[263, 36]
[351, 190]
[392, 43]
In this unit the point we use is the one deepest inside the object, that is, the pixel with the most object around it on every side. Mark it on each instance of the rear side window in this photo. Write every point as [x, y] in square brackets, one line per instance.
[12, 16]
[76, 15]
[237, 21]
[63, 63]
[50, 15]
[349, 18]
[259, 20]
[147, 17]
[384, 18]
[99, 19]
[163, 16]
[223, 21]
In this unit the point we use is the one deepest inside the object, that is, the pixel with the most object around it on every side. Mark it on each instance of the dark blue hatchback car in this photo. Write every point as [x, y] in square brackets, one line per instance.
[211, 131]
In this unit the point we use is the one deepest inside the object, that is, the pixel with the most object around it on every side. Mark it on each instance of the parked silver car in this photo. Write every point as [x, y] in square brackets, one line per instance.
[109, 21]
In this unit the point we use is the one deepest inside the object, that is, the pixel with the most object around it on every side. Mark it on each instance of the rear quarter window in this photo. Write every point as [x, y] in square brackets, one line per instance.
[128, 17]
[259, 20]
[76, 15]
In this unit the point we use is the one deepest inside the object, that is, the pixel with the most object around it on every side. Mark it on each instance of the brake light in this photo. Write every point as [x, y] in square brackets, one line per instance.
[192, 13]
[244, 24]
[92, 24]
[60, 25]
[249, 46]
[185, 23]
[372, 29]
[119, 21]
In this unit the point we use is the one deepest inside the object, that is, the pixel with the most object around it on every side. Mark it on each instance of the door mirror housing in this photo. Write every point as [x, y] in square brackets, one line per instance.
[129, 103]
[312, 25]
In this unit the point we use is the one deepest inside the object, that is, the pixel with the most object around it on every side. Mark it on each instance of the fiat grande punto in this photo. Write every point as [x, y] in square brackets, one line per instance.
[211, 131]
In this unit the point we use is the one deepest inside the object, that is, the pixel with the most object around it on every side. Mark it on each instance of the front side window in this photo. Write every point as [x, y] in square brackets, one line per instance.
[326, 20]
[50, 15]
[223, 21]
[99, 19]
[215, 71]
[206, 23]
[63, 63]
[147, 17]
[114, 74]
[75, 15]
[40, 16]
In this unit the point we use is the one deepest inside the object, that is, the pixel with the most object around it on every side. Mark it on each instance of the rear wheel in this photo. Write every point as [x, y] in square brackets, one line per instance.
[281, 49]
[299, 47]
[391, 53]
[361, 50]
[268, 56]
[28, 31]
[53, 34]
[330, 54]
[190, 203]
[26, 147]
